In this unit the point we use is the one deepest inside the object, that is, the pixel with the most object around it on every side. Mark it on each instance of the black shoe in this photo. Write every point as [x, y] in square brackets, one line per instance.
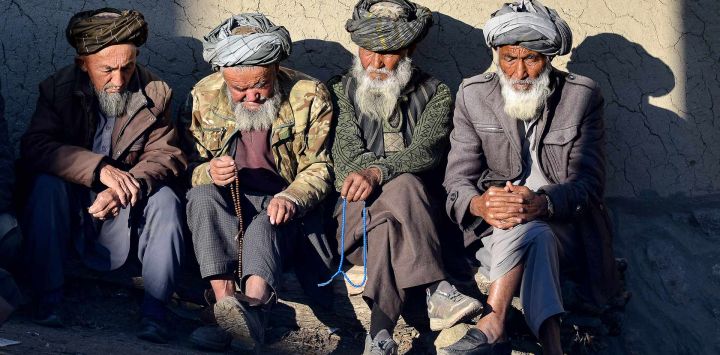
[154, 331]
[474, 342]
[48, 315]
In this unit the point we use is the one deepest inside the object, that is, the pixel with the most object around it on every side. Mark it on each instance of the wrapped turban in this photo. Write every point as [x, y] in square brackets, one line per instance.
[88, 33]
[265, 44]
[380, 33]
[529, 24]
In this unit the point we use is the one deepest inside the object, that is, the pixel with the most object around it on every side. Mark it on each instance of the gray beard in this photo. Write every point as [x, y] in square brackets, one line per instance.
[256, 120]
[525, 105]
[377, 98]
[112, 104]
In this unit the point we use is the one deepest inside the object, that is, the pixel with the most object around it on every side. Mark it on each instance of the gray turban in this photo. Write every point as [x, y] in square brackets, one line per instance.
[380, 33]
[266, 44]
[529, 24]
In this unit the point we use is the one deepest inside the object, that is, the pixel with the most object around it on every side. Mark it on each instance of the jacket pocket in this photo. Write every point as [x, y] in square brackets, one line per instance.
[212, 137]
[496, 148]
[557, 146]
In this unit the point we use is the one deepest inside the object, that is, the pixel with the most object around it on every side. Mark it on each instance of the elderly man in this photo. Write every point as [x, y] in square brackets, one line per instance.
[526, 174]
[391, 137]
[260, 166]
[101, 148]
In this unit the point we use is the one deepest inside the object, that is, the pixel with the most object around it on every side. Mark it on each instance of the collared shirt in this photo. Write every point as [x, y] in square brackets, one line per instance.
[103, 134]
[532, 175]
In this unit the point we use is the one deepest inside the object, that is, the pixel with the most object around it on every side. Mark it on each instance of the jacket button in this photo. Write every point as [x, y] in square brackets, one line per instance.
[453, 196]
[578, 209]
[571, 77]
[488, 76]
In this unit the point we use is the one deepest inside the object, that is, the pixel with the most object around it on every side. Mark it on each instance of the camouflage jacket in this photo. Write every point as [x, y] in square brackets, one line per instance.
[299, 135]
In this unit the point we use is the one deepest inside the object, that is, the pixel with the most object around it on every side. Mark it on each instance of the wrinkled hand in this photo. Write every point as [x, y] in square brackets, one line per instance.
[107, 205]
[280, 210]
[358, 186]
[535, 206]
[123, 183]
[498, 207]
[223, 170]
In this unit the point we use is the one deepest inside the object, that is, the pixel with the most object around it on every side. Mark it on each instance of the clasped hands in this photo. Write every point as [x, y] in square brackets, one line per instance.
[507, 206]
[223, 171]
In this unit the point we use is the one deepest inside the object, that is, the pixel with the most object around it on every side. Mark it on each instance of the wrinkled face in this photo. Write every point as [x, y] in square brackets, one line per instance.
[378, 64]
[111, 68]
[250, 86]
[519, 63]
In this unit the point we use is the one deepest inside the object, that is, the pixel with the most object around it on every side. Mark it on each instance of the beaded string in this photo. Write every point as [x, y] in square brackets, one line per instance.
[235, 193]
[342, 249]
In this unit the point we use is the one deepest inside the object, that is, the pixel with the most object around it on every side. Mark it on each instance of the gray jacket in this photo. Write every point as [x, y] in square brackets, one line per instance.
[486, 151]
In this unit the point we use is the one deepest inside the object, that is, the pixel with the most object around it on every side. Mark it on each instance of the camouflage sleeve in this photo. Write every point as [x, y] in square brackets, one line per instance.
[191, 142]
[430, 140]
[314, 165]
[349, 151]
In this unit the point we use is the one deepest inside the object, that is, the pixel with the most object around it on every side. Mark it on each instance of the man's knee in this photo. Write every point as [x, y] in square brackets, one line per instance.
[200, 196]
[164, 199]
[46, 186]
[405, 183]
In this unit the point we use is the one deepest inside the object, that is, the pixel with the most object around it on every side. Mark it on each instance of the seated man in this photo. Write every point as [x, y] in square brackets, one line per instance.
[100, 147]
[260, 165]
[391, 137]
[526, 174]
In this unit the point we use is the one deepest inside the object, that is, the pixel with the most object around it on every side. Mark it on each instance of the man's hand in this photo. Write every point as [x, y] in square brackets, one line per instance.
[358, 186]
[498, 207]
[123, 183]
[280, 210]
[107, 205]
[534, 206]
[223, 170]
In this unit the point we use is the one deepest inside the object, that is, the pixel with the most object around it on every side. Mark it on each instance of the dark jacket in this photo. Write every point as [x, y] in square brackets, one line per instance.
[59, 138]
[486, 151]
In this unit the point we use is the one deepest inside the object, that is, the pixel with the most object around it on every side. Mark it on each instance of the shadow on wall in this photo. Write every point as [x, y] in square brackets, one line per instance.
[319, 58]
[452, 51]
[641, 150]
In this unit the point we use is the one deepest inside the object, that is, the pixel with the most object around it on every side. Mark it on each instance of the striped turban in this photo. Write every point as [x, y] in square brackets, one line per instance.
[90, 31]
[246, 39]
[529, 24]
[388, 25]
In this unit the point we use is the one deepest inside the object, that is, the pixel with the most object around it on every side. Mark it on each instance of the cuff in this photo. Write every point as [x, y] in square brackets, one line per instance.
[384, 173]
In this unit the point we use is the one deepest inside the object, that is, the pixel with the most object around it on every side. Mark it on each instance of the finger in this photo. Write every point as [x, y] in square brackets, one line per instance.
[508, 186]
[122, 191]
[346, 186]
[224, 182]
[224, 176]
[352, 191]
[280, 215]
[359, 192]
[272, 211]
[506, 198]
[366, 194]
[290, 212]
[502, 216]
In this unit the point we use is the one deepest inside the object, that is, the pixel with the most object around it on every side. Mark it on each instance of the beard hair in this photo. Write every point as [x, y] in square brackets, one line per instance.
[377, 98]
[260, 119]
[112, 104]
[525, 104]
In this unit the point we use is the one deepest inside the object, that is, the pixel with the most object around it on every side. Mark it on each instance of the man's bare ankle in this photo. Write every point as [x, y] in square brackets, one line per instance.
[493, 327]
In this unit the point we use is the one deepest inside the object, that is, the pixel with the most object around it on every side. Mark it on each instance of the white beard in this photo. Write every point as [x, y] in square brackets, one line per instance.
[378, 98]
[259, 119]
[112, 104]
[525, 104]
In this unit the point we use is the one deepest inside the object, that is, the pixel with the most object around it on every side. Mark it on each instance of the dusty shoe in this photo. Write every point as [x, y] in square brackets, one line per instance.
[474, 342]
[154, 331]
[245, 324]
[446, 306]
[211, 337]
[48, 315]
[383, 344]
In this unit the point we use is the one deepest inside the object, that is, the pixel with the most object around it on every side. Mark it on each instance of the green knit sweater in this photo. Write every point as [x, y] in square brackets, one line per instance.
[430, 139]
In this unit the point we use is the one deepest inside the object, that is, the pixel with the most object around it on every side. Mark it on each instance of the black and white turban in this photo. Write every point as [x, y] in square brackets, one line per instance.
[265, 44]
[529, 24]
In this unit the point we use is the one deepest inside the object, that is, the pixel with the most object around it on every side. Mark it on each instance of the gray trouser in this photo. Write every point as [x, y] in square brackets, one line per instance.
[403, 244]
[267, 249]
[56, 216]
[535, 245]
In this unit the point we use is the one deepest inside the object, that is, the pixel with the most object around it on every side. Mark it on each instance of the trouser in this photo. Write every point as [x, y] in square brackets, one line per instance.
[267, 249]
[535, 245]
[403, 245]
[56, 218]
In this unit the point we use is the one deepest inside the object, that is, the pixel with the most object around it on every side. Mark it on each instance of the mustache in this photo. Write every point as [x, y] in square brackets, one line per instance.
[110, 86]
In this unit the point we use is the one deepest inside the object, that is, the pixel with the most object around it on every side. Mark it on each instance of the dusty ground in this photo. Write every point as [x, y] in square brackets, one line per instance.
[672, 248]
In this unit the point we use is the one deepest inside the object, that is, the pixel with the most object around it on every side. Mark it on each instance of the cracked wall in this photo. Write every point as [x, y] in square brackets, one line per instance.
[656, 61]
